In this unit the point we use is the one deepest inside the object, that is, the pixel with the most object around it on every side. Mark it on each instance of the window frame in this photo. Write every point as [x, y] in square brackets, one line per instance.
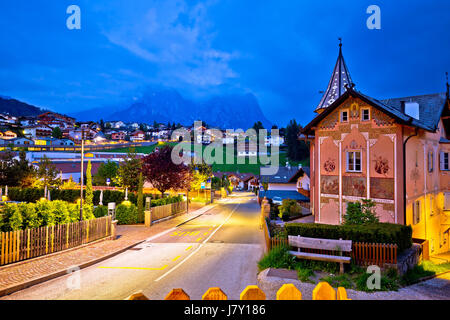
[342, 116]
[362, 114]
[431, 161]
[347, 161]
[416, 212]
[443, 163]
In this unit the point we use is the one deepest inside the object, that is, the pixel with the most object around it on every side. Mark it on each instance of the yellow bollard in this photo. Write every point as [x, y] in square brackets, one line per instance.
[177, 294]
[252, 293]
[214, 294]
[289, 292]
[342, 294]
[137, 296]
[323, 291]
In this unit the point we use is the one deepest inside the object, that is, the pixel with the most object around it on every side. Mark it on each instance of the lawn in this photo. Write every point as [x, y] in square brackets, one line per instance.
[246, 167]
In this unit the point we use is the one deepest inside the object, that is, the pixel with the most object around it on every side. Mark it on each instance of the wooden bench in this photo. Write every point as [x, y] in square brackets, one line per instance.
[323, 244]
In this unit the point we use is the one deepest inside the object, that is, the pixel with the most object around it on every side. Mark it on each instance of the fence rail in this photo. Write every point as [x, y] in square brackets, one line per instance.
[168, 210]
[362, 254]
[30, 243]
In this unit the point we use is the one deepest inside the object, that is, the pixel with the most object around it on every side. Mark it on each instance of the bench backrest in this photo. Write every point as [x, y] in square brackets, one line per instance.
[324, 244]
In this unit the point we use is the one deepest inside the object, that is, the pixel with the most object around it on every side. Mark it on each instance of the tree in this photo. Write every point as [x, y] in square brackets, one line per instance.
[296, 150]
[258, 126]
[89, 191]
[159, 169]
[128, 172]
[47, 174]
[140, 198]
[106, 170]
[57, 133]
[15, 172]
[359, 213]
[102, 125]
[200, 173]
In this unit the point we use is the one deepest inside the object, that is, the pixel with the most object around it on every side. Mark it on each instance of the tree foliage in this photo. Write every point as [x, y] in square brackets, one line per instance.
[57, 133]
[296, 150]
[361, 213]
[15, 172]
[46, 174]
[128, 172]
[200, 173]
[159, 169]
[106, 170]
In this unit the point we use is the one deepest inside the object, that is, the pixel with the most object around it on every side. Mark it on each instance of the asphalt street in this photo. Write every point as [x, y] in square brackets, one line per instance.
[218, 249]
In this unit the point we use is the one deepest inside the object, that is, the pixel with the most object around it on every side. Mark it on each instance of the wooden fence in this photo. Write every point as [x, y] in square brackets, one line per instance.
[168, 210]
[30, 243]
[362, 254]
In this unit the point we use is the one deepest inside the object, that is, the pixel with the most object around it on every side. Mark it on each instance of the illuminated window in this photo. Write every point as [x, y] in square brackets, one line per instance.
[354, 161]
[365, 114]
[344, 116]
[416, 212]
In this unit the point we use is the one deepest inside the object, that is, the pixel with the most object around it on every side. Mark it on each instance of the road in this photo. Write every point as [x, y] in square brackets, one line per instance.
[218, 249]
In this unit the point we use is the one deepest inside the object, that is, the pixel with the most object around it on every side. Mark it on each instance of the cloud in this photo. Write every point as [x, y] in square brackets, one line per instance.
[177, 39]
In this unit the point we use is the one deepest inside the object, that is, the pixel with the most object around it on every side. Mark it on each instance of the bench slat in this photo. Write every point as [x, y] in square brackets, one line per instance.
[317, 243]
[320, 257]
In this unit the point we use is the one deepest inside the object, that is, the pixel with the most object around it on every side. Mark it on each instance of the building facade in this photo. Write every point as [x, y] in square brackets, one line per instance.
[394, 151]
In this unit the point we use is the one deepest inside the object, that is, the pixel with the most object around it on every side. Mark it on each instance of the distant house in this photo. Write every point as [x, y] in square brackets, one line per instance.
[244, 181]
[99, 137]
[137, 135]
[35, 131]
[53, 120]
[288, 183]
[247, 150]
[273, 141]
[8, 135]
[22, 141]
[120, 135]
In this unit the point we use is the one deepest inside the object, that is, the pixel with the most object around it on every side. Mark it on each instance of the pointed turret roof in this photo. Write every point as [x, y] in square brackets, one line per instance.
[336, 86]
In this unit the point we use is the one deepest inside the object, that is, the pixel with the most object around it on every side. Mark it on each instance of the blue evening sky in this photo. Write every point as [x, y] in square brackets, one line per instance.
[281, 51]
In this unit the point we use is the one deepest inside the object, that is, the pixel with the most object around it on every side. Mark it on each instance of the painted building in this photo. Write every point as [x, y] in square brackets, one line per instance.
[394, 151]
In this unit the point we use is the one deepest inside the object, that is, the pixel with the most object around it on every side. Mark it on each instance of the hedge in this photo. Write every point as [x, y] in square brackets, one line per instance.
[72, 195]
[19, 216]
[126, 214]
[375, 233]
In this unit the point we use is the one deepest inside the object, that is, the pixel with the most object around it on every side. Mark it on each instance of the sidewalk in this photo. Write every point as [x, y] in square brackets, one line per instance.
[23, 274]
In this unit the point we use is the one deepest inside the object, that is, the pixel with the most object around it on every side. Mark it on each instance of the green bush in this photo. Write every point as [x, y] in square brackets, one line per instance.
[374, 233]
[361, 213]
[100, 211]
[126, 214]
[278, 257]
[289, 209]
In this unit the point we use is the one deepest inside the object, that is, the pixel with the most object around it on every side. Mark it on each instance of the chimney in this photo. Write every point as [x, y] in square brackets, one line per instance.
[402, 106]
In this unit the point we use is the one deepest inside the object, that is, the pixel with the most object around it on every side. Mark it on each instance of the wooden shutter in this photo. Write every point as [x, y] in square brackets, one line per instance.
[441, 161]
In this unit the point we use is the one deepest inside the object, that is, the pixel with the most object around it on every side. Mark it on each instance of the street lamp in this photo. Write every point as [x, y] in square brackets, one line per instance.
[82, 174]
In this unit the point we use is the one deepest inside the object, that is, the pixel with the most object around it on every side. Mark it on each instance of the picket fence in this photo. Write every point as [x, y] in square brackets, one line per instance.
[30, 243]
[362, 254]
[168, 210]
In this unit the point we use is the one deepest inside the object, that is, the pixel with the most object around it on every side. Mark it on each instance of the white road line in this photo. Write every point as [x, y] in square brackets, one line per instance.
[195, 251]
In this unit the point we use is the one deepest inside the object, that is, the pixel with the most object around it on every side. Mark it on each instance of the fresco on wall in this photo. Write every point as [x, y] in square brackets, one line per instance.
[329, 165]
[382, 188]
[354, 186]
[381, 165]
[329, 184]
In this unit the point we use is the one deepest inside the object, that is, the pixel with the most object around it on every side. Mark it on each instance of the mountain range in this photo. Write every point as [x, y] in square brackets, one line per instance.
[163, 105]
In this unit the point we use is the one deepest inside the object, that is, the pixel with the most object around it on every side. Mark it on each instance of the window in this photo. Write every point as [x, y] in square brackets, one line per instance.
[416, 212]
[444, 165]
[354, 161]
[430, 161]
[365, 114]
[344, 116]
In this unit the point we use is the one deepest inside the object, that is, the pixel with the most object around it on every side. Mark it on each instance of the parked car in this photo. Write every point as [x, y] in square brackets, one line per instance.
[277, 200]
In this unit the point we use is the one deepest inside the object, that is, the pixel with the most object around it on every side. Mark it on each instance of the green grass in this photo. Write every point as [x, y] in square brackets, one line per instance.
[246, 167]
[425, 269]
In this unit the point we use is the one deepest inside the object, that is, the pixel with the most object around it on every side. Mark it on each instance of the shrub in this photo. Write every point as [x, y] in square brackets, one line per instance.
[100, 211]
[126, 213]
[289, 209]
[361, 213]
[374, 233]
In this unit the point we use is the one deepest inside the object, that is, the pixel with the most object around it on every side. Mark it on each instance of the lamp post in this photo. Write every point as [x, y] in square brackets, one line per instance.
[82, 174]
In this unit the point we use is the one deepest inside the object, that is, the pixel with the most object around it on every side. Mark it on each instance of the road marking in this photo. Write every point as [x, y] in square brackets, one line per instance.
[205, 234]
[210, 229]
[199, 239]
[200, 246]
[188, 248]
[134, 268]
[176, 258]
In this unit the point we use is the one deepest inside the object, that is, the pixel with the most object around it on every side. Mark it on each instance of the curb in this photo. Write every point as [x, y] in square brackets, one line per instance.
[23, 285]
